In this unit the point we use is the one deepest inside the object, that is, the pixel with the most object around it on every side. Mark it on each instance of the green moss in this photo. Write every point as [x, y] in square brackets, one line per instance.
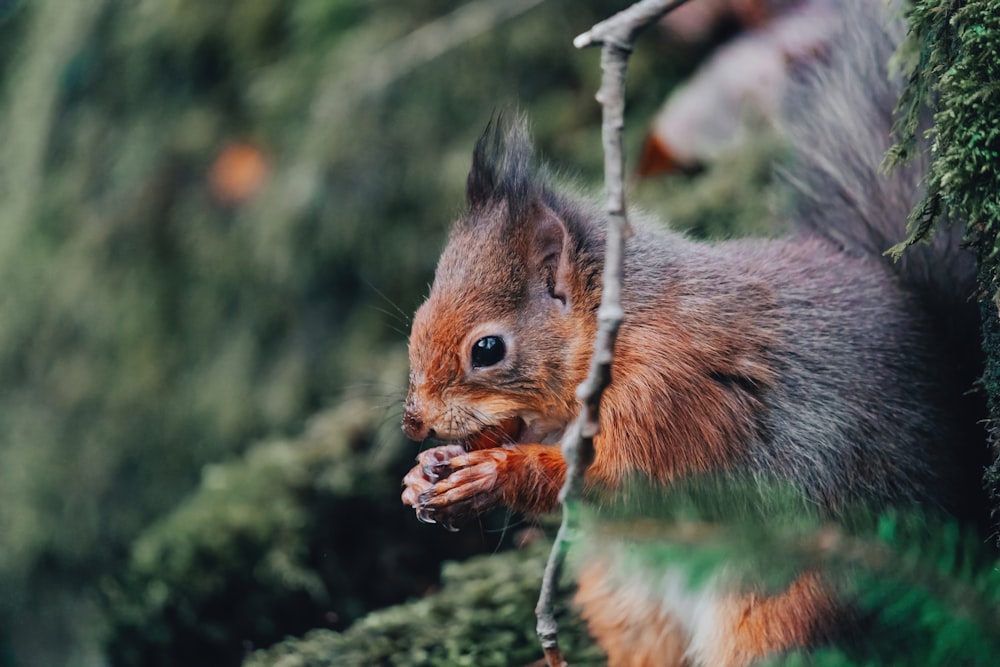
[482, 617]
[953, 69]
[297, 534]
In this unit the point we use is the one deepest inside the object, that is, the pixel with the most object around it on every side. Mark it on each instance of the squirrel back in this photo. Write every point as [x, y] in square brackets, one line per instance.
[812, 360]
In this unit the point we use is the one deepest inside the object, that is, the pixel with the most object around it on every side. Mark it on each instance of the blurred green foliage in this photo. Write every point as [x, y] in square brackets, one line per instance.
[152, 328]
[150, 325]
[923, 590]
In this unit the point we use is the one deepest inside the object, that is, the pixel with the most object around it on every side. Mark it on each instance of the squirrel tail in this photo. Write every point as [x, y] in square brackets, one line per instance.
[839, 121]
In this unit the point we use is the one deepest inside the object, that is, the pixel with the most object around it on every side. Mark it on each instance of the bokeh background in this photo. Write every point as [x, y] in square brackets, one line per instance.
[215, 220]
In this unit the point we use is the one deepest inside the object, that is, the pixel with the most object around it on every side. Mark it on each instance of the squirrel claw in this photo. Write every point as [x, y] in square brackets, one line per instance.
[435, 472]
[424, 515]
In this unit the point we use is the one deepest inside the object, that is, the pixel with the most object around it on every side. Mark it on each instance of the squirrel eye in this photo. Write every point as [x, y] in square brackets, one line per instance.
[488, 351]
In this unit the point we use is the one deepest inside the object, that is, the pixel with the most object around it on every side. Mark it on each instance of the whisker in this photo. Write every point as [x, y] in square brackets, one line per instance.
[404, 317]
[476, 417]
[508, 524]
[391, 327]
[373, 389]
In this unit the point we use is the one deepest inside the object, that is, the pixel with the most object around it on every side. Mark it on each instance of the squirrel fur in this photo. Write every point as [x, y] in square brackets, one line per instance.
[812, 359]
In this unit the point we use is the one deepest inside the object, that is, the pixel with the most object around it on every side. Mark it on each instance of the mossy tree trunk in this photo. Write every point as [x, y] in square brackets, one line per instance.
[956, 72]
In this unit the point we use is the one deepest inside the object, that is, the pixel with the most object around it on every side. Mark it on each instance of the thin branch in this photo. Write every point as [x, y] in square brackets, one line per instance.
[615, 36]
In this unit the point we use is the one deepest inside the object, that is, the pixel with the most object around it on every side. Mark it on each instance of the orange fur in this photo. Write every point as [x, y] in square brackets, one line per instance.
[661, 419]
[637, 627]
[633, 630]
[803, 615]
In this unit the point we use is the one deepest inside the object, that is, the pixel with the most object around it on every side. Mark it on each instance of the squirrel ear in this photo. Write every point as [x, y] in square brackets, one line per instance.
[549, 254]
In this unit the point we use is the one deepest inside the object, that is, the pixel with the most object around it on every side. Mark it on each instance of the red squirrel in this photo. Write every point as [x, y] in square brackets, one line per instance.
[811, 359]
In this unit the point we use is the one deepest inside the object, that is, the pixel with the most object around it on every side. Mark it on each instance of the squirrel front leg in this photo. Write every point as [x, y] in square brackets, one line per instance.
[449, 485]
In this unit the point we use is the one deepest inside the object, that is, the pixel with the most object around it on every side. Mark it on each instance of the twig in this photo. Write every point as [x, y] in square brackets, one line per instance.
[615, 36]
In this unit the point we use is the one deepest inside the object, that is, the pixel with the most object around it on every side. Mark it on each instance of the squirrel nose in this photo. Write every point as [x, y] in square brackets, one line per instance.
[414, 427]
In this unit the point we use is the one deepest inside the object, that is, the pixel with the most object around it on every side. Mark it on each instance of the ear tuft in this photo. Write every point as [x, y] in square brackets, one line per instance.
[503, 168]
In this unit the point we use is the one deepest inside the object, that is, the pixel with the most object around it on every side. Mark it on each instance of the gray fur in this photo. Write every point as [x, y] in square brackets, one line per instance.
[863, 408]
[503, 169]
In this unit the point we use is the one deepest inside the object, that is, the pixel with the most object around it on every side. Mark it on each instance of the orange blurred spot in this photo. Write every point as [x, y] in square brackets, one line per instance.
[657, 158]
[238, 172]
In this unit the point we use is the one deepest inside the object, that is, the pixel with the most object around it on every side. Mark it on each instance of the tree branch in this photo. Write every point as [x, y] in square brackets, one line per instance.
[615, 36]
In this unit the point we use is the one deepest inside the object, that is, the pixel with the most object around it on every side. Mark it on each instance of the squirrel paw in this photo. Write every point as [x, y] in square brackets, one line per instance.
[432, 466]
[448, 485]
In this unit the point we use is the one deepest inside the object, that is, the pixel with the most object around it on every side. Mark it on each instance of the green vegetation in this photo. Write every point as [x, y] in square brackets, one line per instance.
[482, 617]
[953, 72]
[215, 220]
[917, 600]
[296, 534]
[925, 591]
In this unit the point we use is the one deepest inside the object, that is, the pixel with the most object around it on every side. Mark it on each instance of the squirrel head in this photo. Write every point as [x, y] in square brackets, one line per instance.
[506, 333]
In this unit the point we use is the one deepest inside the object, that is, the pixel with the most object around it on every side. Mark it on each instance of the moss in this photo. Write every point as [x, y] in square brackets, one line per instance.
[482, 617]
[953, 69]
[296, 534]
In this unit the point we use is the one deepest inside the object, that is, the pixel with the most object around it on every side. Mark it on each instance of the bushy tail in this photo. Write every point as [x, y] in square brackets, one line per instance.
[839, 119]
